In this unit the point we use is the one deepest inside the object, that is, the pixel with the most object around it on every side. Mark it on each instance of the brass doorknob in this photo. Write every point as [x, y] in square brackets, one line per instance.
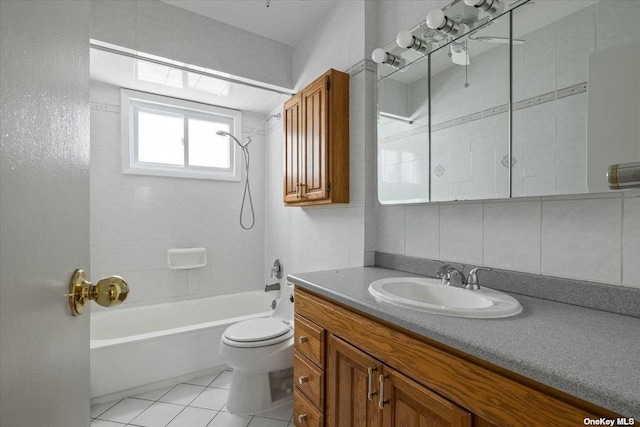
[108, 292]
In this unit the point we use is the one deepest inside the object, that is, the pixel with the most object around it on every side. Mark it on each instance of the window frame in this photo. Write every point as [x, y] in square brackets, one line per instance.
[132, 102]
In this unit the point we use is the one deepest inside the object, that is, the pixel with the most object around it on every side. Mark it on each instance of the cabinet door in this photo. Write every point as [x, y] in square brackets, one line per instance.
[315, 165]
[292, 149]
[352, 385]
[409, 404]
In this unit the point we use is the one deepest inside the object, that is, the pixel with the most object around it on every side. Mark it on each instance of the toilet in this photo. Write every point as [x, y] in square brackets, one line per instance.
[260, 351]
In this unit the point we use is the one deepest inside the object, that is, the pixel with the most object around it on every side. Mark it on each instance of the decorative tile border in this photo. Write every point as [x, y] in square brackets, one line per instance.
[613, 298]
[520, 105]
[105, 107]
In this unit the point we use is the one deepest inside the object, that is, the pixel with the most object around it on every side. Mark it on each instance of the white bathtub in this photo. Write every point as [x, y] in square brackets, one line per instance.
[139, 346]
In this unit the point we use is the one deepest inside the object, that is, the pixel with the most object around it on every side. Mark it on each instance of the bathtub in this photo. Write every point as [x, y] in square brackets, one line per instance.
[150, 345]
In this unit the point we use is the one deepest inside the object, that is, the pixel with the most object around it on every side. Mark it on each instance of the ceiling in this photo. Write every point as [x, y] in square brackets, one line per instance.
[286, 21]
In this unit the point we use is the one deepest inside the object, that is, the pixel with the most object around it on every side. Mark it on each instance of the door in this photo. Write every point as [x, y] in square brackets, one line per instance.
[44, 211]
[315, 166]
[409, 404]
[292, 152]
[352, 381]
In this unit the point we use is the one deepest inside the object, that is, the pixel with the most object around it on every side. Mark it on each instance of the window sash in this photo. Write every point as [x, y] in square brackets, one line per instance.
[185, 115]
[210, 160]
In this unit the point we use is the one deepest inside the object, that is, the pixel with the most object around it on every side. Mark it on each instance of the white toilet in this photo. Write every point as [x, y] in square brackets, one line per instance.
[260, 351]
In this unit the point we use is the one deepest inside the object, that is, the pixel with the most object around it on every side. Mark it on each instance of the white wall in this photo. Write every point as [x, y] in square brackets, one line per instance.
[320, 238]
[135, 219]
[595, 237]
[161, 29]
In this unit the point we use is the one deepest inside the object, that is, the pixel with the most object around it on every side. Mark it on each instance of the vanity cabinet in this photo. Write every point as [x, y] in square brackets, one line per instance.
[364, 392]
[316, 137]
[378, 374]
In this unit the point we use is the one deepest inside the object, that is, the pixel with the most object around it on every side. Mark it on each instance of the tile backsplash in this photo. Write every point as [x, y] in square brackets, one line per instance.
[595, 237]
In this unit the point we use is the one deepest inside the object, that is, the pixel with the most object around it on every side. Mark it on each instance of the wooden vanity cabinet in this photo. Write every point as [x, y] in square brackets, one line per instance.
[316, 137]
[363, 392]
[380, 375]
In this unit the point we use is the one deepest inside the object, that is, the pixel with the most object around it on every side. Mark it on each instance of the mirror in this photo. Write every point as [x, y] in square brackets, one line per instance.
[443, 125]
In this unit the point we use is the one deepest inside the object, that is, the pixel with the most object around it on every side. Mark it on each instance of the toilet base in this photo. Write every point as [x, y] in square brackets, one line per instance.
[253, 393]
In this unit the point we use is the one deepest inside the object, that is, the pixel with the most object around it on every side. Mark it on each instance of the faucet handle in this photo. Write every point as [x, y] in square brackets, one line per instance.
[442, 271]
[443, 274]
[472, 278]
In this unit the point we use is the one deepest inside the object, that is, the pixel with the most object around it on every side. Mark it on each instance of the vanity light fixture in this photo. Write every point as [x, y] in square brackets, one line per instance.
[406, 40]
[437, 20]
[492, 7]
[381, 56]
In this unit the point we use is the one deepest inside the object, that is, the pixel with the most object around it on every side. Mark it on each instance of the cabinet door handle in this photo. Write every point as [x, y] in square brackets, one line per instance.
[302, 418]
[370, 392]
[302, 339]
[381, 401]
[303, 380]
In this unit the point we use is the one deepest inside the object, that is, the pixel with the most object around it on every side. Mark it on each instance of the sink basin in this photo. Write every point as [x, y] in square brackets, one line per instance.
[429, 295]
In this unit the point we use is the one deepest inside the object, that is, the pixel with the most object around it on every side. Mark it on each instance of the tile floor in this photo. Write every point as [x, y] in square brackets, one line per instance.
[196, 403]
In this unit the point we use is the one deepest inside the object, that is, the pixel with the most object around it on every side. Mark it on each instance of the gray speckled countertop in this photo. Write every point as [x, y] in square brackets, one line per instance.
[591, 354]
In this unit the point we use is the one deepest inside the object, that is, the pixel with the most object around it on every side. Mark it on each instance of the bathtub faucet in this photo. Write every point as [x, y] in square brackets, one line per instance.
[272, 287]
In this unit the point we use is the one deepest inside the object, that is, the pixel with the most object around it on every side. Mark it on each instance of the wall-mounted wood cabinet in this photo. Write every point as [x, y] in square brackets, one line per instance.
[316, 137]
[379, 376]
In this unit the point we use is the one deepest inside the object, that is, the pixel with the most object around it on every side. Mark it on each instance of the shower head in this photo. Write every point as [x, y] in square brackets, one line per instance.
[225, 133]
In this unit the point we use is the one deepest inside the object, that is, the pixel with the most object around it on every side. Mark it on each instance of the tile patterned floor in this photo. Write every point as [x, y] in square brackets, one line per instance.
[196, 403]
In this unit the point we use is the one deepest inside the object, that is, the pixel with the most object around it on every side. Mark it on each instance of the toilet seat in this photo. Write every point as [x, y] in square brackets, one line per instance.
[257, 333]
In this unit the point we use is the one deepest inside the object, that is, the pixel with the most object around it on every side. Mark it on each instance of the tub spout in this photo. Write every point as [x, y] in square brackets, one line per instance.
[272, 287]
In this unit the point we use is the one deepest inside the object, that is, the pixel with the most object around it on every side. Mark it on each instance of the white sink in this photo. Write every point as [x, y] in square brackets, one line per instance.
[429, 295]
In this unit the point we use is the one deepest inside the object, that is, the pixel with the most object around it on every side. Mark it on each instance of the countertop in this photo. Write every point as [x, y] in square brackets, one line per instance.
[591, 354]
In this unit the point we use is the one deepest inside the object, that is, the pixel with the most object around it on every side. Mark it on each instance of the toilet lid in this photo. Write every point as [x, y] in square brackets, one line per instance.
[256, 330]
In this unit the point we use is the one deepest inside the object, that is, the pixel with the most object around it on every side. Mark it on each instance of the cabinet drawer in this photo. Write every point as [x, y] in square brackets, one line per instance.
[309, 379]
[304, 413]
[309, 340]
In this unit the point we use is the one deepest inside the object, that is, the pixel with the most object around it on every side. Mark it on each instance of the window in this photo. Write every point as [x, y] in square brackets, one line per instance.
[172, 137]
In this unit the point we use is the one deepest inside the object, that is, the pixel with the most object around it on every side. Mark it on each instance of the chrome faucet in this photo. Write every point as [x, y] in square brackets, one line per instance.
[272, 287]
[451, 276]
[472, 279]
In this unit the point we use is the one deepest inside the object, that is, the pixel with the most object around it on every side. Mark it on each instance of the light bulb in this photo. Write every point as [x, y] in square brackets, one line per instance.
[437, 20]
[406, 40]
[380, 56]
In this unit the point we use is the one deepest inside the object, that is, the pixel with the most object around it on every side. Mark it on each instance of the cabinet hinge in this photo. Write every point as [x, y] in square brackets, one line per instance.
[328, 84]
[328, 187]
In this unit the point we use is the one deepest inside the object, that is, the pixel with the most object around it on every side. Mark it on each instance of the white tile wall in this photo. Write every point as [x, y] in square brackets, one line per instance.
[161, 29]
[319, 238]
[594, 237]
[583, 238]
[136, 219]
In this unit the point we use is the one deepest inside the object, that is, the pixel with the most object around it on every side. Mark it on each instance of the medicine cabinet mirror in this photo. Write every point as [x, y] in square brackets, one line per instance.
[537, 99]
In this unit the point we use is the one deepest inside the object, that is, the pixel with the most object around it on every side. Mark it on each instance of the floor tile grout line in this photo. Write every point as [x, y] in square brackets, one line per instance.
[115, 403]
